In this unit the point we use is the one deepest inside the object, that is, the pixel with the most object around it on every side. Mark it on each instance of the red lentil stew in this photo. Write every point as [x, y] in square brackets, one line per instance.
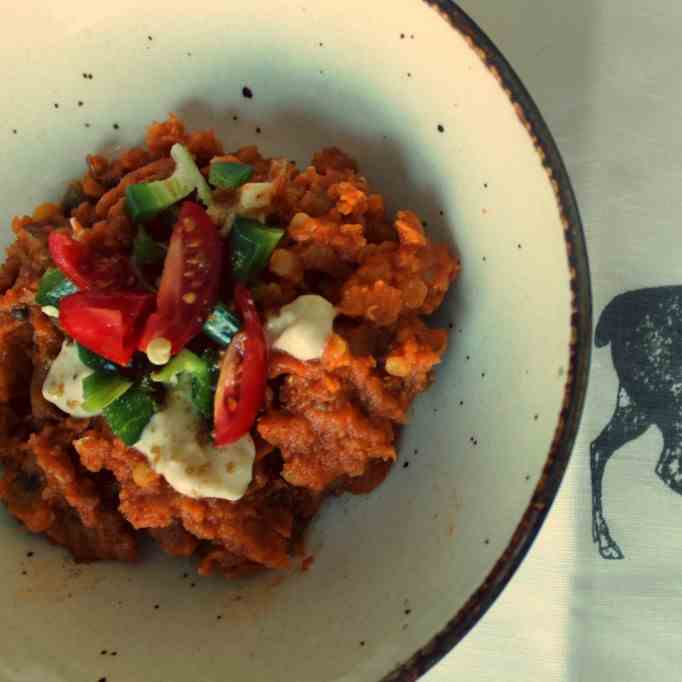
[199, 347]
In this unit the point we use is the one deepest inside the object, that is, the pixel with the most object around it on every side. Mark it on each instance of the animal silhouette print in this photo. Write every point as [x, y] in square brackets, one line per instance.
[644, 328]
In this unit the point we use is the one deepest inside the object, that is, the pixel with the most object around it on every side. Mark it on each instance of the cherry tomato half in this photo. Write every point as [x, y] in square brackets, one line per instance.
[88, 269]
[189, 284]
[107, 323]
[241, 388]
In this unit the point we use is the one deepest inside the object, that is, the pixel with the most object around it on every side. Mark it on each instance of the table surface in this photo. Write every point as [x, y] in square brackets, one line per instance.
[605, 74]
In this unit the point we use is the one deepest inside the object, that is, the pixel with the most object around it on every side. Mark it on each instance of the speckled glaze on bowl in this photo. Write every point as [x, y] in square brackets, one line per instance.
[439, 123]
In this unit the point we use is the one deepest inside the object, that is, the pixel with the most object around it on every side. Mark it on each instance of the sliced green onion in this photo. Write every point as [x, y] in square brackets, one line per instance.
[100, 389]
[252, 244]
[185, 163]
[146, 199]
[53, 286]
[147, 251]
[229, 175]
[128, 415]
[221, 325]
[94, 361]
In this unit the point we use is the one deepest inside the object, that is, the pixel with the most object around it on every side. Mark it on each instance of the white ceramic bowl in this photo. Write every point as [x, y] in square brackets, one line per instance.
[413, 566]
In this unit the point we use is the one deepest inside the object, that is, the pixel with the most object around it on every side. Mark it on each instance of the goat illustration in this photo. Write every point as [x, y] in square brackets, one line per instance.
[644, 328]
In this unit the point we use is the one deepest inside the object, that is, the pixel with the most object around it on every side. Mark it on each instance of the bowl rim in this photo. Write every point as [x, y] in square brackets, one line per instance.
[579, 353]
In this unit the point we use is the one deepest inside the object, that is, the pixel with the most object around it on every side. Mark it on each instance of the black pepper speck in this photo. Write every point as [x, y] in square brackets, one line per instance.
[536, 417]
[29, 554]
[408, 612]
[441, 213]
[450, 325]
[485, 184]
[482, 375]
[468, 357]
[461, 403]
[150, 38]
[56, 105]
[219, 617]
[518, 246]
[416, 451]
[102, 679]
[104, 652]
[247, 92]
[14, 131]
[409, 75]
[156, 607]
[528, 477]
[321, 44]
[258, 130]
[235, 118]
[24, 572]
[402, 36]
[114, 653]
[405, 465]
[487, 541]
[192, 584]
[116, 126]
[412, 36]
[87, 125]
[362, 643]
[441, 128]
[80, 102]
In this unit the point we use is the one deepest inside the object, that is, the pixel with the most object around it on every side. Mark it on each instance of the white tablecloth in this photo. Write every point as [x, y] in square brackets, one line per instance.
[607, 75]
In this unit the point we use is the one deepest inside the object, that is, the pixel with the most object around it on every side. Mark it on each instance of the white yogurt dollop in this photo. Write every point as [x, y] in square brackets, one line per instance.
[303, 327]
[193, 468]
[63, 385]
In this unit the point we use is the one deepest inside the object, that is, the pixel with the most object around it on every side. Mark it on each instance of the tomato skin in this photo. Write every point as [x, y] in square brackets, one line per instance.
[88, 269]
[189, 284]
[107, 323]
[234, 415]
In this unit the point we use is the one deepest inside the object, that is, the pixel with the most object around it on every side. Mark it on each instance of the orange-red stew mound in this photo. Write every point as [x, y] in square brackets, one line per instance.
[324, 427]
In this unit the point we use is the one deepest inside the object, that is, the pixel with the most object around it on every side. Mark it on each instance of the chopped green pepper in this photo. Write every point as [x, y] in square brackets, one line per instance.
[100, 389]
[147, 251]
[146, 199]
[128, 415]
[203, 375]
[53, 286]
[221, 325]
[252, 244]
[204, 387]
[229, 175]
[184, 361]
[94, 361]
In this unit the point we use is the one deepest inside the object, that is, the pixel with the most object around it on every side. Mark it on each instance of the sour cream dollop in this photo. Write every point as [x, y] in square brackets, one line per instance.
[196, 468]
[63, 385]
[303, 327]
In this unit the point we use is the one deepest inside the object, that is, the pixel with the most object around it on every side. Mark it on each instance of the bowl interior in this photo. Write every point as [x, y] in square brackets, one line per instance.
[433, 130]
